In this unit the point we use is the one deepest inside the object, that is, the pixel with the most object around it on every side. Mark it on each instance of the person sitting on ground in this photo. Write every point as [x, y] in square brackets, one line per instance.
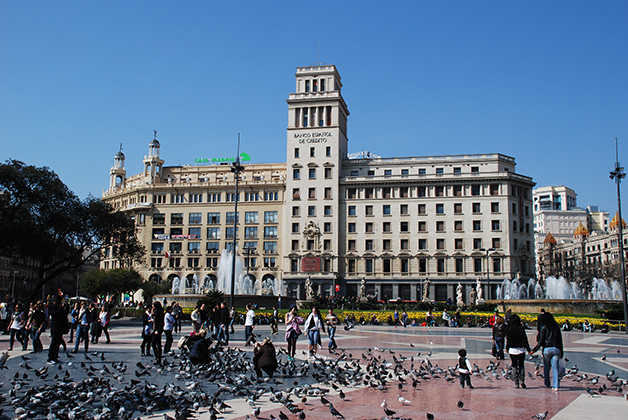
[374, 320]
[414, 324]
[199, 353]
[265, 358]
[586, 326]
[605, 328]
[469, 323]
[566, 326]
[404, 318]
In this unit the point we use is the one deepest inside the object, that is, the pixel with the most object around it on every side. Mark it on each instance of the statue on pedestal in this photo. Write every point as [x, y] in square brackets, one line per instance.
[459, 300]
[472, 296]
[363, 289]
[478, 290]
[309, 290]
[426, 290]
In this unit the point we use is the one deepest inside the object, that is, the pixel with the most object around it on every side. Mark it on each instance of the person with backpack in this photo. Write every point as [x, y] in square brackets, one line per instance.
[516, 345]
[551, 340]
[464, 369]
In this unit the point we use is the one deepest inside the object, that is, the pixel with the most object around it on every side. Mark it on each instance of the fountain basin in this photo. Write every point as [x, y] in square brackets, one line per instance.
[240, 301]
[555, 306]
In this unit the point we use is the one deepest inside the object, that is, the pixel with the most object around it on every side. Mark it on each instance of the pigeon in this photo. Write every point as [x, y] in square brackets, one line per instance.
[403, 401]
[604, 357]
[430, 416]
[334, 412]
[541, 416]
[460, 404]
[592, 392]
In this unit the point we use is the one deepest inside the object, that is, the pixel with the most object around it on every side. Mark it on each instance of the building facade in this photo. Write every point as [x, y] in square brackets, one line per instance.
[408, 227]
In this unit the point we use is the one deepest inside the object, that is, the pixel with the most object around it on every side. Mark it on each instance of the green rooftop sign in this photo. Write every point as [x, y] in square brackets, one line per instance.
[243, 158]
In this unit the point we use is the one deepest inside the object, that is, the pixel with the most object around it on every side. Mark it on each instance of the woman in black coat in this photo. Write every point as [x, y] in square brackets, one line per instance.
[158, 329]
[551, 340]
[517, 345]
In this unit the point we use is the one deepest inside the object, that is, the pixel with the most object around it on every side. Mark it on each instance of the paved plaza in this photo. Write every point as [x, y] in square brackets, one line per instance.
[492, 398]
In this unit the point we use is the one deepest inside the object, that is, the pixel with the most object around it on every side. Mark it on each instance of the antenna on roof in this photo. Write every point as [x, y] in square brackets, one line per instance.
[155, 132]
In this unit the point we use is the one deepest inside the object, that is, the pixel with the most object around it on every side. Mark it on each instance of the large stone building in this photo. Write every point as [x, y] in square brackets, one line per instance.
[332, 219]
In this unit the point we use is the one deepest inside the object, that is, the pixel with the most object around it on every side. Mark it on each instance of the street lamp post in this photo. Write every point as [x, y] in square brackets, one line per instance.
[236, 168]
[13, 285]
[488, 279]
[618, 174]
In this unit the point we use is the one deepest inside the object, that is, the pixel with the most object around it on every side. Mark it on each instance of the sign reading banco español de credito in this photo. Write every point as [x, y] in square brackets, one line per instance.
[315, 137]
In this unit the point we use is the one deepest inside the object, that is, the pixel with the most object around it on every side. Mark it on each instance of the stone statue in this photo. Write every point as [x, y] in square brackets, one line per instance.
[473, 295]
[363, 288]
[459, 300]
[478, 290]
[309, 290]
[426, 290]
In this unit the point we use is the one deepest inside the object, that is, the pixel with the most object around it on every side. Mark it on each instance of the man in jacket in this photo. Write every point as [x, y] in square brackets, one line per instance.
[58, 324]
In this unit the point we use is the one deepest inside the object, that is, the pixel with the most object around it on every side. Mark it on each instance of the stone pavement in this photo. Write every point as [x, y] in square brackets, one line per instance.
[489, 400]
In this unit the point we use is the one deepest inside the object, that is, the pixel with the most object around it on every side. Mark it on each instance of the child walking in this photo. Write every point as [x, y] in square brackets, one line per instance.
[464, 369]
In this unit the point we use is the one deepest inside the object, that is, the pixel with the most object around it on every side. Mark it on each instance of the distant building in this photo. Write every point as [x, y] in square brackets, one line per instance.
[401, 224]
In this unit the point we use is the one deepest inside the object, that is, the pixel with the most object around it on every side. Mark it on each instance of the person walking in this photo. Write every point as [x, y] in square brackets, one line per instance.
[517, 345]
[94, 324]
[104, 318]
[499, 336]
[16, 328]
[169, 324]
[222, 325]
[313, 328]
[158, 329]
[464, 369]
[233, 314]
[274, 320]
[177, 312]
[58, 324]
[83, 326]
[293, 330]
[248, 325]
[332, 321]
[74, 320]
[35, 326]
[196, 319]
[147, 331]
[551, 340]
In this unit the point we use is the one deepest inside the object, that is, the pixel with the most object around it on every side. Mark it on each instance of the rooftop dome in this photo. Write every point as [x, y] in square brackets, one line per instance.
[120, 155]
[615, 222]
[549, 239]
[581, 230]
[154, 142]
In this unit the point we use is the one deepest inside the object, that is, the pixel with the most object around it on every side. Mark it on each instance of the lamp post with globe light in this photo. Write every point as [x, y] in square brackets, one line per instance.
[236, 168]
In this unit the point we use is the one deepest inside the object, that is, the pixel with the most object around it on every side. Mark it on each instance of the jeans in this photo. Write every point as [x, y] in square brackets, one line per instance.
[332, 339]
[82, 333]
[551, 356]
[222, 334]
[169, 340]
[248, 333]
[35, 334]
[499, 346]
[314, 336]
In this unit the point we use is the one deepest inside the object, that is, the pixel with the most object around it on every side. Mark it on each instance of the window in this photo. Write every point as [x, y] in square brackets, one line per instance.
[311, 210]
[327, 193]
[497, 265]
[296, 152]
[458, 243]
[439, 191]
[327, 227]
[327, 173]
[475, 190]
[457, 191]
[312, 152]
[458, 225]
[422, 226]
[440, 265]
[497, 243]
[176, 219]
[327, 210]
[477, 243]
[514, 225]
[387, 265]
[440, 171]
[477, 265]
[440, 226]
[422, 209]
[386, 210]
[175, 247]
[405, 172]
[295, 228]
[352, 211]
[368, 265]
[270, 262]
[421, 192]
[328, 148]
[370, 173]
[403, 210]
[368, 227]
[351, 245]
[157, 248]
[475, 169]
[195, 218]
[404, 227]
[307, 86]
[368, 245]
[231, 219]
[270, 247]
[327, 245]
[271, 196]
[312, 173]
[195, 233]
[193, 262]
[404, 244]
[368, 193]
[457, 170]
[457, 208]
[352, 193]
[296, 173]
[440, 244]
[215, 198]
[354, 173]
[422, 171]
[477, 225]
[495, 225]
[405, 265]
[386, 227]
[422, 243]
[194, 247]
[213, 233]
[270, 217]
[229, 233]
[351, 227]
[250, 217]
[403, 192]
[494, 207]
[386, 193]
[270, 231]
[494, 188]
[514, 208]
[296, 211]
[177, 198]
[422, 265]
[351, 266]
[459, 265]
[477, 208]
[440, 209]
[250, 196]
[213, 247]
[311, 193]
[368, 210]
[387, 173]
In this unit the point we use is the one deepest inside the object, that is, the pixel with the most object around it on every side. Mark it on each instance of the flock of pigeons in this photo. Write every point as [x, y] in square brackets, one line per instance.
[90, 387]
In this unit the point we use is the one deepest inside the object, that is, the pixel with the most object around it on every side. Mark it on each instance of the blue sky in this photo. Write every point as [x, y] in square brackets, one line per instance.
[544, 82]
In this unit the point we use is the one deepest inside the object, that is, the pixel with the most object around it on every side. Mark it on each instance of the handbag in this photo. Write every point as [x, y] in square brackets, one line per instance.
[494, 350]
[561, 368]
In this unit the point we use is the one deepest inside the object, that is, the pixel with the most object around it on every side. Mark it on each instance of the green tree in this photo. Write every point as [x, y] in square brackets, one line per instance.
[152, 288]
[100, 283]
[42, 220]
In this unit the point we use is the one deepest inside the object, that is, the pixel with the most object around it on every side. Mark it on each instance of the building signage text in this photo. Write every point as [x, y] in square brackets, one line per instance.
[243, 158]
[316, 137]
